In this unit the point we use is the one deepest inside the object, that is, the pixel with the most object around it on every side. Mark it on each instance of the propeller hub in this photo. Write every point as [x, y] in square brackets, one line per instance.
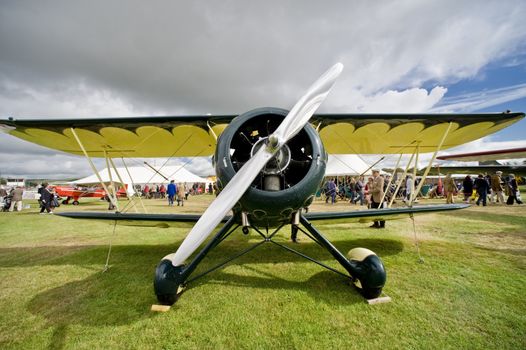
[279, 162]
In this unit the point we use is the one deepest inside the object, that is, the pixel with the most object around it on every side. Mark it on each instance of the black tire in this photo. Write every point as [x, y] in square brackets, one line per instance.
[167, 299]
[371, 293]
[65, 202]
[75, 203]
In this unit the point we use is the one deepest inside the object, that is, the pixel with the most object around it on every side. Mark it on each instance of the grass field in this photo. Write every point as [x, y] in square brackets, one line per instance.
[469, 293]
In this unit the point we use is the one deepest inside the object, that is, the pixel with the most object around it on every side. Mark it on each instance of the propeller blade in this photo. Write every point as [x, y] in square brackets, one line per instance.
[236, 187]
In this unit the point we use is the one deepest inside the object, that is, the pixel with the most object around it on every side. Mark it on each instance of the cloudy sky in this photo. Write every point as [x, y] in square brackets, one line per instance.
[135, 58]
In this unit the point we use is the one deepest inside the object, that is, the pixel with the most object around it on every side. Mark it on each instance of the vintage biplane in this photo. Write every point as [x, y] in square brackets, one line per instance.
[270, 163]
[72, 194]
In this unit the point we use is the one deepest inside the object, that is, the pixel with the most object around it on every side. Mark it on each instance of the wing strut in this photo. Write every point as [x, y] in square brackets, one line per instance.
[114, 193]
[92, 166]
[421, 183]
[391, 180]
[414, 193]
[399, 182]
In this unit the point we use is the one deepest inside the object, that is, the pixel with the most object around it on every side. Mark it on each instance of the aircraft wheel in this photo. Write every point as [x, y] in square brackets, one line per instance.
[75, 203]
[168, 284]
[369, 272]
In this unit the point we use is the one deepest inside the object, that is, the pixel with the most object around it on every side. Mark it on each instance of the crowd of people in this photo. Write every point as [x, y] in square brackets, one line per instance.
[493, 186]
[354, 189]
[357, 190]
[482, 189]
[11, 199]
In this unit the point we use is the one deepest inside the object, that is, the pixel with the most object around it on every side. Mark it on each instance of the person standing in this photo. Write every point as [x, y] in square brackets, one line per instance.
[482, 189]
[514, 191]
[162, 191]
[377, 192]
[450, 188]
[3, 193]
[359, 190]
[45, 197]
[171, 191]
[331, 189]
[496, 188]
[109, 196]
[409, 184]
[467, 188]
[180, 195]
[17, 194]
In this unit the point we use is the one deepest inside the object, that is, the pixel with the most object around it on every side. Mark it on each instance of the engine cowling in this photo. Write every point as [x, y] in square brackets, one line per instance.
[290, 179]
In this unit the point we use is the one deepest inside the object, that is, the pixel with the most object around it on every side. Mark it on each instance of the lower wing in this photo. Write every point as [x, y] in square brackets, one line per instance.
[185, 220]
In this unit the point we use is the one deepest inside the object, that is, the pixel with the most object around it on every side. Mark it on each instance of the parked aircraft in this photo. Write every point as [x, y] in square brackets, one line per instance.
[73, 194]
[269, 164]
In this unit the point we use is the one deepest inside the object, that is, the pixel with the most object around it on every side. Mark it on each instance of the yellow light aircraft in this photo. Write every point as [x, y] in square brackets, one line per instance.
[270, 163]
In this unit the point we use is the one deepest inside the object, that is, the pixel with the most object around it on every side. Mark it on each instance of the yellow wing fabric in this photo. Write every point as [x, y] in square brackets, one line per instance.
[179, 136]
[400, 133]
[190, 136]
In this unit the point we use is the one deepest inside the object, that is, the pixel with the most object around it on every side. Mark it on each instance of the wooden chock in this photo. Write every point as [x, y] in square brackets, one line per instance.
[379, 300]
[160, 308]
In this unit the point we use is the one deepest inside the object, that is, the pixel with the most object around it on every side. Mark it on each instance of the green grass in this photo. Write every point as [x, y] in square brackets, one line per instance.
[469, 293]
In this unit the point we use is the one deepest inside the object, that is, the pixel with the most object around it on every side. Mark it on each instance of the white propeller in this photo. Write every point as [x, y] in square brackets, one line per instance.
[298, 116]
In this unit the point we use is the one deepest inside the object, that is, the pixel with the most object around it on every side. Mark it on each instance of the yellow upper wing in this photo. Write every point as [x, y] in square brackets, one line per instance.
[400, 133]
[178, 136]
[189, 136]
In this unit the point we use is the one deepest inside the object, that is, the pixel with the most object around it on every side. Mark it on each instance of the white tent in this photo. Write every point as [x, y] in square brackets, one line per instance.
[345, 165]
[143, 175]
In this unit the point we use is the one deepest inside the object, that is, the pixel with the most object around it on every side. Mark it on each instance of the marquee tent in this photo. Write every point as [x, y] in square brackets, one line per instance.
[143, 175]
[345, 165]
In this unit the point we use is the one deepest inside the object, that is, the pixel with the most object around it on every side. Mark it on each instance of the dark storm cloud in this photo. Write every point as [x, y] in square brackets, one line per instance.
[97, 58]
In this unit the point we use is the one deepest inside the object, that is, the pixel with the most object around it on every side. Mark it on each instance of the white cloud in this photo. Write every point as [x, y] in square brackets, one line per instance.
[482, 99]
[230, 57]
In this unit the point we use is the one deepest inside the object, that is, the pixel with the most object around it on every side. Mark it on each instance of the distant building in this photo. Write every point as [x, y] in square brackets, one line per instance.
[13, 182]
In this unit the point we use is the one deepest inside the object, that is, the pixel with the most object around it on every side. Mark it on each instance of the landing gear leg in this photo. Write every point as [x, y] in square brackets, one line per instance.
[170, 280]
[294, 233]
[363, 265]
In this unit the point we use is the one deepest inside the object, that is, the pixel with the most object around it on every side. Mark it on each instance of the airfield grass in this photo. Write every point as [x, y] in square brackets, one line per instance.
[469, 292]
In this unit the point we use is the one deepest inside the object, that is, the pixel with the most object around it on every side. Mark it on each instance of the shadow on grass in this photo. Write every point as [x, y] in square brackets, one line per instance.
[119, 296]
[324, 286]
[124, 294]
[85, 255]
[493, 218]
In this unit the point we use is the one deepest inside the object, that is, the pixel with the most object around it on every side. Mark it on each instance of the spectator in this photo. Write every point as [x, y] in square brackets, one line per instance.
[331, 191]
[450, 188]
[482, 189]
[109, 196]
[409, 184]
[467, 188]
[358, 187]
[3, 193]
[180, 194]
[514, 194]
[496, 188]
[377, 193]
[162, 191]
[45, 197]
[368, 187]
[17, 194]
[172, 190]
